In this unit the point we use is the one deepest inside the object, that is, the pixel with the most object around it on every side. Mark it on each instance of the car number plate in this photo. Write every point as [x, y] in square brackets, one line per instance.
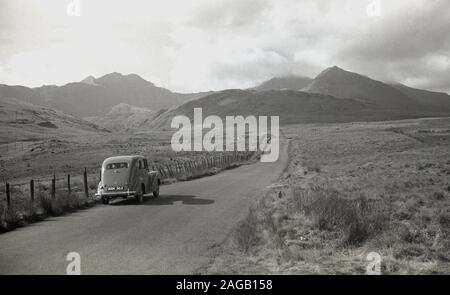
[115, 188]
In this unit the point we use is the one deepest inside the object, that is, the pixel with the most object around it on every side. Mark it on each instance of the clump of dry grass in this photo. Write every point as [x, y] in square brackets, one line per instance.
[61, 204]
[13, 217]
[260, 227]
[357, 219]
[246, 232]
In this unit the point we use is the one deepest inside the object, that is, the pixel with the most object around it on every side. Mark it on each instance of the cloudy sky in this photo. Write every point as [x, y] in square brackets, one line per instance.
[200, 45]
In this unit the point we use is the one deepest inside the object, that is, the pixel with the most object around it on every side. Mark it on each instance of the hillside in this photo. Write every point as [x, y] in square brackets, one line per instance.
[291, 106]
[21, 93]
[436, 99]
[284, 83]
[94, 97]
[295, 107]
[22, 121]
[123, 117]
[343, 84]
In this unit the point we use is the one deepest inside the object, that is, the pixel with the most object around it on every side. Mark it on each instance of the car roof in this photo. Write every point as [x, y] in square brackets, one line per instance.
[122, 159]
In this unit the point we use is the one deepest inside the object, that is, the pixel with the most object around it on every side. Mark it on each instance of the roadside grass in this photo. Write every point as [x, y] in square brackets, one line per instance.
[349, 190]
[23, 211]
[62, 204]
[323, 231]
[356, 219]
[246, 232]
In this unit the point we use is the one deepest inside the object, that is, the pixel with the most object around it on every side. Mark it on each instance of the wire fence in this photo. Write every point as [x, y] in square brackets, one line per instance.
[18, 146]
[86, 184]
[183, 170]
[18, 192]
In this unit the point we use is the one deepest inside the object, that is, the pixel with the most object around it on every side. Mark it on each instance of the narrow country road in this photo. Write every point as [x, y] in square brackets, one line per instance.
[174, 234]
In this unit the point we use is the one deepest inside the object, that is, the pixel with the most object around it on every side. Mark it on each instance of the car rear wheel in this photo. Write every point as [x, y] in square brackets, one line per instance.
[156, 192]
[140, 196]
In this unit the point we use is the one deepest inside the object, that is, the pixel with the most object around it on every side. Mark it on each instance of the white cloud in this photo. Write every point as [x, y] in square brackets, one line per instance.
[202, 45]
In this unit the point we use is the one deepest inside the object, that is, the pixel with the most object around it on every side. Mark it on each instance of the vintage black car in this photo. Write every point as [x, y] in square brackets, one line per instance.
[127, 176]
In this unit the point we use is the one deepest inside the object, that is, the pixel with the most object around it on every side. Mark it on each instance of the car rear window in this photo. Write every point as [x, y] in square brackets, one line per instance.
[117, 166]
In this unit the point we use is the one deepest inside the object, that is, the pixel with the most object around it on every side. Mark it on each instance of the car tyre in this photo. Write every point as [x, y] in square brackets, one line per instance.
[156, 192]
[105, 201]
[140, 197]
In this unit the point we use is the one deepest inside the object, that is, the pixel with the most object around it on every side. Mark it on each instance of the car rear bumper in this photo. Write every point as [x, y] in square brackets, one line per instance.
[115, 194]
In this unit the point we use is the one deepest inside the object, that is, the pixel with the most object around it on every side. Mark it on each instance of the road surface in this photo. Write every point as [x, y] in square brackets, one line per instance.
[174, 234]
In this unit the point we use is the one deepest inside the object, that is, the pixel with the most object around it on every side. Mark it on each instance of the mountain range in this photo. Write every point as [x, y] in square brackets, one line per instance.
[340, 83]
[290, 106]
[121, 102]
[335, 95]
[284, 83]
[94, 97]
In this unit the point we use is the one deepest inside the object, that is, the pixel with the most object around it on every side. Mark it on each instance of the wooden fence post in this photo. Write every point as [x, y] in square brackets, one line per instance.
[31, 197]
[32, 190]
[53, 190]
[8, 195]
[163, 171]
[172, 170]
[169, 171]
[86, 191]
[68, 183]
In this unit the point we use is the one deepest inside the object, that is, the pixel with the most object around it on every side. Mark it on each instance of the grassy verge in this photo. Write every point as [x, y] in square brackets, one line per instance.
[349, 190]
[22, 211]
